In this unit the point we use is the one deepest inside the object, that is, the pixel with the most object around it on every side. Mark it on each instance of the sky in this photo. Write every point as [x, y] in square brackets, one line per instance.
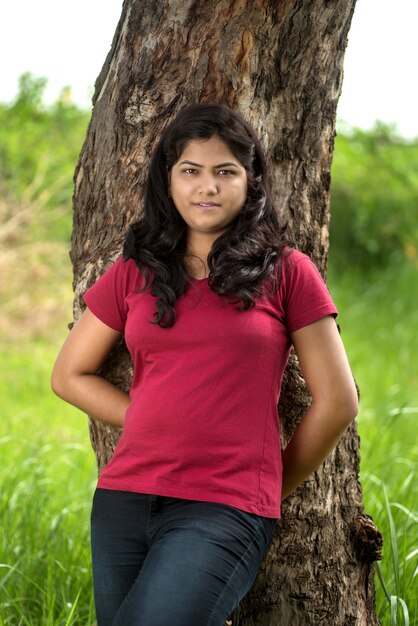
[67, 42]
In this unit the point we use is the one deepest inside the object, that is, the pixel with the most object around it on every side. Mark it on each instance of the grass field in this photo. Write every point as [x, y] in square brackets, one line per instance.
[48, 469]
[379, 320]
[46, 488]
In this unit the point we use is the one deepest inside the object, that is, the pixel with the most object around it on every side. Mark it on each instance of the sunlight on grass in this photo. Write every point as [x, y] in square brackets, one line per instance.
[48, 469]
[377, 318]
[46, 490]
[50, 474]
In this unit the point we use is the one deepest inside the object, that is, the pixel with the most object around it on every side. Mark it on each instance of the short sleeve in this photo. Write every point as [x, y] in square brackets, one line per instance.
[305, 295]
[106, 299]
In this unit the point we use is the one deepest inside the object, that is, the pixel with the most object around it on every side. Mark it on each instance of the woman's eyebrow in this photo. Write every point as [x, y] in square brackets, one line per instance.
[227, 164]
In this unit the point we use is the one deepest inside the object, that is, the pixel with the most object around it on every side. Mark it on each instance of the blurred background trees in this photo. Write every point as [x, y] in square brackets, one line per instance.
[374, 206]
[373, 276]
[39, 147]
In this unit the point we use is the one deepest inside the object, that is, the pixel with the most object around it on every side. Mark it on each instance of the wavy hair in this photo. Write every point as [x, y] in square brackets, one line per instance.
[244, 256]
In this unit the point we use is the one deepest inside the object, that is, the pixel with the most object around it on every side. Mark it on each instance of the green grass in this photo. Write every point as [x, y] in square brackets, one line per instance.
[48, 468]
[379, 322]
[47, 478]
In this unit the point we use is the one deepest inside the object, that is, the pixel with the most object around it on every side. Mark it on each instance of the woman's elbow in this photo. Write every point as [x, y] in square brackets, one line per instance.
[339, 404]
[57, 382]
[351, 411]
[61, 380]
[347, 405]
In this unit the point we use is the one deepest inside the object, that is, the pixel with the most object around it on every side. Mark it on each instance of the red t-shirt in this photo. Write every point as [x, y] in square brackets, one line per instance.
[203, 421]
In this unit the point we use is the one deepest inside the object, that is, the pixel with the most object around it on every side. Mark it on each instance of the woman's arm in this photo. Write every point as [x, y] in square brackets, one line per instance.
[74, 376]
[327, 373]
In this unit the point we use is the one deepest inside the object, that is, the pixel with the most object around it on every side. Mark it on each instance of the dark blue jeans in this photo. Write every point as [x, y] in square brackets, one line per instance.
[160, 561]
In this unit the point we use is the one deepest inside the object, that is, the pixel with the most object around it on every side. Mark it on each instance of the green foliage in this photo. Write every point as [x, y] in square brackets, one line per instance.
[378, 314]
[374, 194]
[39, 147]
[374, 198]
[48, 468]
[46, 484]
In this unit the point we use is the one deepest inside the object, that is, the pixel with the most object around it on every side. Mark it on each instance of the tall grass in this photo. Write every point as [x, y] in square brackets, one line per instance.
[47, 477]
[48, 470]
[379, 319]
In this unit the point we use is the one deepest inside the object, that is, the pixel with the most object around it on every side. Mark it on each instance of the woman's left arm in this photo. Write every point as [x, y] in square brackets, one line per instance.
[325, 367]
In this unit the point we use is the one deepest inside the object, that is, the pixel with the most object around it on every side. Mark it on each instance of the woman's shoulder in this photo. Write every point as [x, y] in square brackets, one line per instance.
[303, 293]
[130, 271]
[298, 270]
[124, 272]
[292, 257]
[295, 263]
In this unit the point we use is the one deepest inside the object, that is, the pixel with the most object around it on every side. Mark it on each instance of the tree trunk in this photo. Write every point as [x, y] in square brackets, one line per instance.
[281, 64]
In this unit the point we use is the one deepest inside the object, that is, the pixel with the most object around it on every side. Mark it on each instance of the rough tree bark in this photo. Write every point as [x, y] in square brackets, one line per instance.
[281, 64]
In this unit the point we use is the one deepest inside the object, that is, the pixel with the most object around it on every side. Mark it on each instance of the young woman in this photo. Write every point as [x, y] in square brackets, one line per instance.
[210, 297]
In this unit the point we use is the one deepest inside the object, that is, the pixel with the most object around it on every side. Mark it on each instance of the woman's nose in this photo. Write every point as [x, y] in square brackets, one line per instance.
[208, 184]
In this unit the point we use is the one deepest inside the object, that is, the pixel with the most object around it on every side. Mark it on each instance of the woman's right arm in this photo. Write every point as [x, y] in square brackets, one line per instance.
[74, 376]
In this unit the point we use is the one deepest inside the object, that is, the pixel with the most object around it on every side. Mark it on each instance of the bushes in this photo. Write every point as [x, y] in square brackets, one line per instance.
[374, 198]
[39, 147]
[374, 191]
[45, 572]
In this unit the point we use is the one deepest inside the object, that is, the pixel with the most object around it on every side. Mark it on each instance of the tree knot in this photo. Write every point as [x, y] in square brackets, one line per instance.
[368, 539]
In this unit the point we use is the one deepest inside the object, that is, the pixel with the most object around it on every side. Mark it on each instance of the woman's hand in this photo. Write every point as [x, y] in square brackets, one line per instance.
[325, 367]
[75, 379]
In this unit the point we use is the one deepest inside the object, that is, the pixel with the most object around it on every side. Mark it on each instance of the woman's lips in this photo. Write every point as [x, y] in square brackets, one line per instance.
[206, 205]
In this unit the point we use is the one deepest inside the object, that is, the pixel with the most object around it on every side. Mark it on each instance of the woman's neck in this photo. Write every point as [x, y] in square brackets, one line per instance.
[196, 258]
[196, 267]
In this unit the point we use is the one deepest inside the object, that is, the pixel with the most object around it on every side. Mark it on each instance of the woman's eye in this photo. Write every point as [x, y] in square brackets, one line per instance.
[193, 171]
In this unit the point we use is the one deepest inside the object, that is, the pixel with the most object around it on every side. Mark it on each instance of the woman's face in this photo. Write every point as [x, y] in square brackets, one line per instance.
[208, 185]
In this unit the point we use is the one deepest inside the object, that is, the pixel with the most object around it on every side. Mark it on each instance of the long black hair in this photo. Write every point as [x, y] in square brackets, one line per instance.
[244, 256]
